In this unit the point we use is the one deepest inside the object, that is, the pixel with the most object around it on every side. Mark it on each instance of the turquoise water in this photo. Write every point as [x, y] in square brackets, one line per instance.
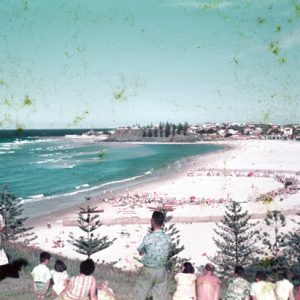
[46, 168]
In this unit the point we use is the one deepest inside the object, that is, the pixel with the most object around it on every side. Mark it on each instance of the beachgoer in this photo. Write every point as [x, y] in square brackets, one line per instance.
[83, 286]
[262, 289]
[104, 292]
[41, 276]
[3, 257]
[208, 284]
[238, 287]
[186, 283]
[155, 250]
[59, 277]
[284, 288]
[2, 226]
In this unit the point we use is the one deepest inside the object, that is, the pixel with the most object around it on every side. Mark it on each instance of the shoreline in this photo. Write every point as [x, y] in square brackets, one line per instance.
[78, 199]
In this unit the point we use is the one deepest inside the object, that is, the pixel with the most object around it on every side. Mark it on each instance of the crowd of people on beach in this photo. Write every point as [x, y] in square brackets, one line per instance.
[290, 182]
[162, 201]
[290, 186]
[153, 278]
[239, 173]
[156, 200]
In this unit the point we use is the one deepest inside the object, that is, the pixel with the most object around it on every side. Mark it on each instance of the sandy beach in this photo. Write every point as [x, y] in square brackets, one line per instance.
[198, 193]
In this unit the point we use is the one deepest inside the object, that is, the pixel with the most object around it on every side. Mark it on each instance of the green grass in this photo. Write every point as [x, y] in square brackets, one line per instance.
[17, 289]
[121, 282]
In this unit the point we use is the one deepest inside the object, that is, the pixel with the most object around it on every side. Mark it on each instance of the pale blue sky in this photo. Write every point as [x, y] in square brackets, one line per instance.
[111, 63]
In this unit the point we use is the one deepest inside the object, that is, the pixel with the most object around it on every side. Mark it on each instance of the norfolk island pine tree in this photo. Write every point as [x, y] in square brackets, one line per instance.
[88, 221]
[292, 251]
[236, 241]
[274, 242]
[11, 210]
[174, 262]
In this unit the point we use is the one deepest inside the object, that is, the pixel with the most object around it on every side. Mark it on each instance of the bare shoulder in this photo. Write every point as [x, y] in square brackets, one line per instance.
[200, 277]
[218, 280]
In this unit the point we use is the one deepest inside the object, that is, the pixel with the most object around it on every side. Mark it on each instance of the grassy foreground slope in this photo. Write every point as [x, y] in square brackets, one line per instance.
[121, 282]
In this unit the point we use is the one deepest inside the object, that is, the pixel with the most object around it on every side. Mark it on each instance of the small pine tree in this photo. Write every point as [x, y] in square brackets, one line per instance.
[160, 129]
[150, 133]
[174, 262]
[11, 210]
[185, 128]
[179, 128]
[237, 241]
[88, 221]
[155, 132]
[274, 240]
[173, 129]
[167, 130]
[293, 243]
[292, 250]
[144, 133]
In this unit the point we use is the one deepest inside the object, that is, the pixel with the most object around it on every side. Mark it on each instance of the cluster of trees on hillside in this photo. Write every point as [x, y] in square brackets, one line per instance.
[165, 130]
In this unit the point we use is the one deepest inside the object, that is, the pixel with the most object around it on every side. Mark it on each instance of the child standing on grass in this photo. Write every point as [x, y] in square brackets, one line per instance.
[59, 277]
[41, 276]
[186, 283]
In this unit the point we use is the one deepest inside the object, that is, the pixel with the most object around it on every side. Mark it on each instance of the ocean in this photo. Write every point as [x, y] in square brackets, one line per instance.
[51, 170]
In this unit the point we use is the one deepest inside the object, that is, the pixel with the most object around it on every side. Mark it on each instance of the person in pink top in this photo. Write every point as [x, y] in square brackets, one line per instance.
[208, 284]
[83, 286]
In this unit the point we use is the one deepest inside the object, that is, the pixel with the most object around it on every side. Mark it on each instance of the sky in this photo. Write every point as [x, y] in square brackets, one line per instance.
[104, 63]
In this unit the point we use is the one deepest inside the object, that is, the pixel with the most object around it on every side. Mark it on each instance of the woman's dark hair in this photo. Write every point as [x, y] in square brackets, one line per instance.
[188, 268]
[261, 275]
[239, 270]
[60, 266]
[287, 274]
[87, 267]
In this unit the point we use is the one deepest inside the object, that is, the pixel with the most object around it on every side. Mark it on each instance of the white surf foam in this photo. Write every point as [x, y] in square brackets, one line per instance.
[41, 197]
